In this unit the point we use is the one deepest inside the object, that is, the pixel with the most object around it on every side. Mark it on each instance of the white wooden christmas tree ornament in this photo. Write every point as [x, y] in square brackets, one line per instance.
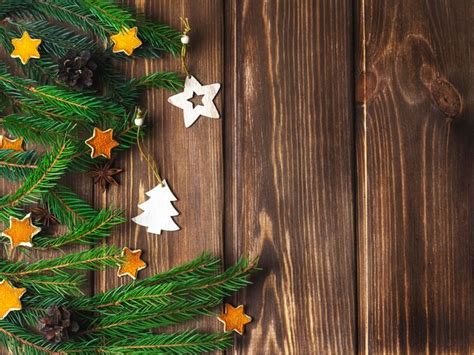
[193, 112]
[158, 210]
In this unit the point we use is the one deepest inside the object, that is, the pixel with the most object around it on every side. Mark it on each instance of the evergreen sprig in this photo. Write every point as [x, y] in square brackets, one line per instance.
[42, 130]
[164, 80]
[69, 11]
[189, 342]
[43, 110]
[69, 208]
[17, 165]
[171, 297]
[92, 259]
[87, 233]
[49, 170]
[58, 39]
[23, 341]
[203, 266]
[63, 284]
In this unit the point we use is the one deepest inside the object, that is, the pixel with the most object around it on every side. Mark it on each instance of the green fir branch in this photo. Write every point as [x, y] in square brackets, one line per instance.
[8, 7]
[70, 103]
[55, 101]
[56, 39]
[189, 342]
[109, 14]
[23, 341]
[93, 259]
[159, 37]
[36, 129]
[87, 233]
[15, 165]
[43, 71]
[50, 169]
[62, 284]
[165, 80]
[69, 11]
[70, 209]
[166, 304]
[117, 85]
[204, 266]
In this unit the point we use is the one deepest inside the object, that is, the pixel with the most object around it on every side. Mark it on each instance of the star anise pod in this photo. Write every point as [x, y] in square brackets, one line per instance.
[42, 215]
[103, 175]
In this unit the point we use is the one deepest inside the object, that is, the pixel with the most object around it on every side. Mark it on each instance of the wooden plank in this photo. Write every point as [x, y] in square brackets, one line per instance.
[415, 186]
[190, 159]
[289, 167]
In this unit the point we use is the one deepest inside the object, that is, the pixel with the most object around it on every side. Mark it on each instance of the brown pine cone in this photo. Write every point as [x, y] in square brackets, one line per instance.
[77, 69]
[57, 325]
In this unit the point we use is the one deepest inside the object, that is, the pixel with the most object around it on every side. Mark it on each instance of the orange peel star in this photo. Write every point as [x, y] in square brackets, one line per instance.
[25, 48]
[102, 143]
[10, 297]
[21, 231]
[126, 41]
[234, 318]
[13, 144]
[132, 263]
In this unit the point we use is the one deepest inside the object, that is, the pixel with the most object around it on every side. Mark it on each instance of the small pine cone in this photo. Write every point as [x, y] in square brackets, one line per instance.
[57, 325]
[77, 69]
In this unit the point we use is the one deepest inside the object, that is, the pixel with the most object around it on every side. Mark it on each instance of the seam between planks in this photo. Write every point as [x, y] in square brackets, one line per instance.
[365, 211]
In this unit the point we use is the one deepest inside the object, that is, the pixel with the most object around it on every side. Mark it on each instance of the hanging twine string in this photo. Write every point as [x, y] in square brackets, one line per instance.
[139, 118]
[185, 42]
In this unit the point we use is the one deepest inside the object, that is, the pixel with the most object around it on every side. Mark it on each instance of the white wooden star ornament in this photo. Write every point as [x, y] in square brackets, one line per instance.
[192, 112]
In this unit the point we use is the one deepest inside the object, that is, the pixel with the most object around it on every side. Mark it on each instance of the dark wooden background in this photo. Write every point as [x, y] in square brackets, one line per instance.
[334, 160]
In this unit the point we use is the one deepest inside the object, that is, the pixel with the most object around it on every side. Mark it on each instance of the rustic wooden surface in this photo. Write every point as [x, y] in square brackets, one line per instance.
[288, 168]
[332, 161]
[190, 159]
[415, 172]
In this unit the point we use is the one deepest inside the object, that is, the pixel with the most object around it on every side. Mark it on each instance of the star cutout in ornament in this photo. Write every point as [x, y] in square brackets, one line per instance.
[13, 144]
[192, 112]
[132, 263]
[25, 48]
[234, 319]
[10, 297]
[21, 231]
[126, 41]
[102, 143]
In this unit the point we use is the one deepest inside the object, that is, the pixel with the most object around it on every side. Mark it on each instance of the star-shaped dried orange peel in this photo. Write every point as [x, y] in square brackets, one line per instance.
[126, 41]
[10, 297]
[25, 48]
[132, 263]
[102, 143]
[234, 318]
[13, 144]
[21, 231]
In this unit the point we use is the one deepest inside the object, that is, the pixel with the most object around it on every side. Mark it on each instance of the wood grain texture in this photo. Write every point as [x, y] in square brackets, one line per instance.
[415, 172]
[288, 172]
[190, 159]
[298, 173]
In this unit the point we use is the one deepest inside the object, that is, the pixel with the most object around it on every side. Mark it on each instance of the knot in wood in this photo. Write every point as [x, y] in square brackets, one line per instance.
[446, 97]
